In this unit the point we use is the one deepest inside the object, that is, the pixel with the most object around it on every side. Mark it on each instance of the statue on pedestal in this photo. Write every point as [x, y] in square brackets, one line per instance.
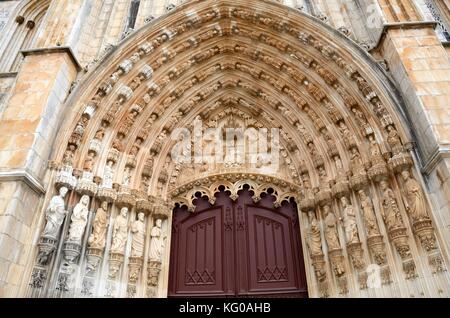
[55, 214]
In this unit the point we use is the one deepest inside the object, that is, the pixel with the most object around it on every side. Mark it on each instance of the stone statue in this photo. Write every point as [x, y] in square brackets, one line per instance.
[55, 214]
[108, 175]
[119, 236]
[340, 168]
[157, 242]
[100, 134]
[393, 140]
[145, 183]
[127, 176]
[331, 232]
[118, 143]
[89, 162]
[351, 230]
[68, 156]
[79, 220]
[324, 181]
[136, 147]
[374, 147]
[369, 214]
[98, 235]
[357, 164]
[314, 240]
[415, 198]
[391, 211]
[138, 231]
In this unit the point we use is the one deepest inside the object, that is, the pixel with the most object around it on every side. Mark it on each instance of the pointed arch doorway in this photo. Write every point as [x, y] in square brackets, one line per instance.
[237, 248]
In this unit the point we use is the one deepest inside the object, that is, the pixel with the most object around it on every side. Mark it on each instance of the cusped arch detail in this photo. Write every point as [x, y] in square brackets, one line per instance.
[233, 184]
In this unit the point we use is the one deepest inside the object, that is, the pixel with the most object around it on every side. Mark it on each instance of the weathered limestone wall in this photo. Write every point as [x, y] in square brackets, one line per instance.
[18, 202]
[29, 121]
[6, 82]
[6, 8]
[28, 126]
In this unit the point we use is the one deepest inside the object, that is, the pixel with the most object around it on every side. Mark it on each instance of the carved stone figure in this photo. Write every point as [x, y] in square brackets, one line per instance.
[119, 236]
[97, 239]
[331, 232]
[79, 220]
[416, 205]
[357, 164]
[156, 242]
[339, 168]
[324, 181]
[68, 155]
[89, 162]
[55, 214]
[118, 143]
[351, 230]
[126, 176]
[374, 147]
[314, 240]
[148, 124]
[391, 211]
[393, 140]
[138, 231]
[100, 134]
[108, 175]
[145, 183]
[136, 147]
[81, 125]
[369, 214]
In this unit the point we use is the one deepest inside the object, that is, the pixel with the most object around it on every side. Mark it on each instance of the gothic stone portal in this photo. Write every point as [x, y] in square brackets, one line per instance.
[237, 248]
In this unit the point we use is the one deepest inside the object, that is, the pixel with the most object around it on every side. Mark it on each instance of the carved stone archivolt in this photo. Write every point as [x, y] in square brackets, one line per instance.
[345, 157]
[186, 194]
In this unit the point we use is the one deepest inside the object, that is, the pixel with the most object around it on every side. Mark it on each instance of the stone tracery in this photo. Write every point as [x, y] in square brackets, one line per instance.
[340, 137]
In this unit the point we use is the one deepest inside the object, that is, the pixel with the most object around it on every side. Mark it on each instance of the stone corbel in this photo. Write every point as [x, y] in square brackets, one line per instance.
[125, 199]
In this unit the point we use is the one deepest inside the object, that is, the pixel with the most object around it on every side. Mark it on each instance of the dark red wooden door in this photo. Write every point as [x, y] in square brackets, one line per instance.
[237, 249]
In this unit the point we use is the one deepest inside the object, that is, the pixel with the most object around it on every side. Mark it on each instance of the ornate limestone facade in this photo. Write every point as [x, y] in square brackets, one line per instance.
[357, 89]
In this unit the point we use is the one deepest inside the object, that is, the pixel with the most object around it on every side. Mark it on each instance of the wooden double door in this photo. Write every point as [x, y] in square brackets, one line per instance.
[237, 249]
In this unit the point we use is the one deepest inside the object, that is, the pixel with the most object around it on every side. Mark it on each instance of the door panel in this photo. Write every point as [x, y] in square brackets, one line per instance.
[270, 249]
[198, 265]
[238, 249]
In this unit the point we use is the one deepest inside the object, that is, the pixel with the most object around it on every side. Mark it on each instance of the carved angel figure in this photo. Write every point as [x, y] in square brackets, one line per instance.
[97, 239]
[138, 232]
[415, 198]
[391, 212]
[331, 232]
[55, 214]
[157, 242]
[78, 220]
[351, 230]
[369, 214]
[119, 237]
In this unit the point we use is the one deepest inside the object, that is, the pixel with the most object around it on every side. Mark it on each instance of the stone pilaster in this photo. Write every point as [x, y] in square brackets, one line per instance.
[28, 126]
